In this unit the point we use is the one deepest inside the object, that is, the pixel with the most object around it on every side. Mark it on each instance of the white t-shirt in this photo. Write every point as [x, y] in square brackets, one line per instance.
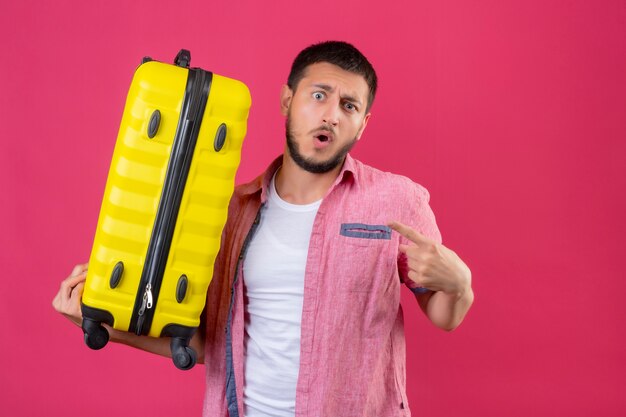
[273, 275]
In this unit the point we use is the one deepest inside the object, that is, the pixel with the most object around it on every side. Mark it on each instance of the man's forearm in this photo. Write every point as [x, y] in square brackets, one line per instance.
[446, 311]
[159, 346]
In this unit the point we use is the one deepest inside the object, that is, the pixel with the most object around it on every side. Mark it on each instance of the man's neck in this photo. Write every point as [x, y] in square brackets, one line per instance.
[297, 186]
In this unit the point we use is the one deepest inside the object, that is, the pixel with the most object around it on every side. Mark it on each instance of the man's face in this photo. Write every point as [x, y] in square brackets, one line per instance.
[325, 116]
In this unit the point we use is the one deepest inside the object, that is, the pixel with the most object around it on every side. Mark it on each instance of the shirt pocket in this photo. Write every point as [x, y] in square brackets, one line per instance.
[362, 234]
[365, 287]
[364, 258]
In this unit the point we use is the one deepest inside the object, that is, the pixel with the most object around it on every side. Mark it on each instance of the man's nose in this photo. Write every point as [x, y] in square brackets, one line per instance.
[331, 113]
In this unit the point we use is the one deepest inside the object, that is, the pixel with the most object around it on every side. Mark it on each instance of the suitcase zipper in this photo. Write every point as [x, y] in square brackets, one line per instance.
[196, 97]
[147, 301]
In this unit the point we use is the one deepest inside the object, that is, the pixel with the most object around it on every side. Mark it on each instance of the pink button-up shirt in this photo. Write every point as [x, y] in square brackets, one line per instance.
[352, 347]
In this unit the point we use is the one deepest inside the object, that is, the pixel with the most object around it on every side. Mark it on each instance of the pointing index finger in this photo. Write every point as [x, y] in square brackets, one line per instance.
[408, 232]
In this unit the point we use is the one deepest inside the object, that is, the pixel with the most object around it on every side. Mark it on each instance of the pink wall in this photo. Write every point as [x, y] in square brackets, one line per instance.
[513, 114]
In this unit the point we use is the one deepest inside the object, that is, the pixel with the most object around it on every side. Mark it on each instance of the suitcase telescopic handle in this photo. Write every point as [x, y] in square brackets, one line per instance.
[183, 58]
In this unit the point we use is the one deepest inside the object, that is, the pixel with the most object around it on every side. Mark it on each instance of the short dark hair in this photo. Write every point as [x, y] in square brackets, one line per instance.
[339, 53]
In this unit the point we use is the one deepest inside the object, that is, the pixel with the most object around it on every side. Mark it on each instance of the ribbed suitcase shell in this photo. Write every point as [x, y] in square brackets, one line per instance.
[134, 188]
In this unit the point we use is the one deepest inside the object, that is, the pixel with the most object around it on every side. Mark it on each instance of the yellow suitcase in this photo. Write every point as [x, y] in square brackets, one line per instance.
[165, 204]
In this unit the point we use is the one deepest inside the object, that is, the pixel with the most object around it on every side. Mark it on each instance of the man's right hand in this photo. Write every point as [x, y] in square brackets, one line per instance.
[67, 300]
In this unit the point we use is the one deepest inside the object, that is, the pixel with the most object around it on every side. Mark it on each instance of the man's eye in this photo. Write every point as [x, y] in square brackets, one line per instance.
[318, 96]
[349, 106]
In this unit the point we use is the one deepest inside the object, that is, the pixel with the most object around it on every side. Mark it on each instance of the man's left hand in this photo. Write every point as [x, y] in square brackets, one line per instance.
[432, 265]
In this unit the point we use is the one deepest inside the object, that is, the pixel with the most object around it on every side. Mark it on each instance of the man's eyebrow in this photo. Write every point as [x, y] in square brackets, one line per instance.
[352, 100]
[324, 87]
[330, 89]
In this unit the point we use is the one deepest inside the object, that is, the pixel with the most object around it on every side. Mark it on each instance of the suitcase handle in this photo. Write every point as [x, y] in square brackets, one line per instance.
[183, 58]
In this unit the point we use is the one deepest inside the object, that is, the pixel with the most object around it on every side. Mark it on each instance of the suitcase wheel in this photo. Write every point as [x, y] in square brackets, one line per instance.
[183, 356]
[96, 336]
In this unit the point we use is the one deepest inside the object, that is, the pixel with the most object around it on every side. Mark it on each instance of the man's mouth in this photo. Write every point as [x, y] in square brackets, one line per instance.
[324, 135]
[323, 140]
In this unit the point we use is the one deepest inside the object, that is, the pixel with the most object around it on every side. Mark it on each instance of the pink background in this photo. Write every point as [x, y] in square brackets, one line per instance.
[512, 114]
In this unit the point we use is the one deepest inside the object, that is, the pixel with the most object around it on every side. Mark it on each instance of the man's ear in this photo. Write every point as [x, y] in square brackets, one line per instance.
[365, 120]
[285, 99]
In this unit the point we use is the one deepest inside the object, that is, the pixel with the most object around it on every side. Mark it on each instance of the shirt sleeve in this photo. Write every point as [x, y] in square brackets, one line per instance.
[420, 217]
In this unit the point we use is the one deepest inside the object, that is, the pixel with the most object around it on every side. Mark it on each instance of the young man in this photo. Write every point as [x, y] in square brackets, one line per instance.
[303, 313]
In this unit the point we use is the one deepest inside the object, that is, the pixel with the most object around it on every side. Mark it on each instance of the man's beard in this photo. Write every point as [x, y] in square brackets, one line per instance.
[309, 164]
